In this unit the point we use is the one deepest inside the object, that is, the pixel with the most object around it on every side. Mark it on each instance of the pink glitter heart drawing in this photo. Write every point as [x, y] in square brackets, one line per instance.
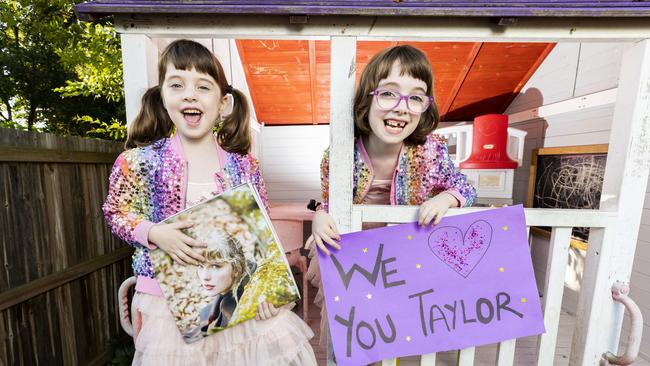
[461, 254]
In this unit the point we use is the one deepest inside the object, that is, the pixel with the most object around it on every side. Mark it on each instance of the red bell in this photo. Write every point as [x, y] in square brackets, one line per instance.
[489, 144]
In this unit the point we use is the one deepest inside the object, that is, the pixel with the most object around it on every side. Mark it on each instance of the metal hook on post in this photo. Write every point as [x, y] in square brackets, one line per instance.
[619, 293]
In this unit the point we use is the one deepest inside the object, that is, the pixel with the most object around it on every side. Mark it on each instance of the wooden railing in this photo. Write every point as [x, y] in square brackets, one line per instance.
[561, 222]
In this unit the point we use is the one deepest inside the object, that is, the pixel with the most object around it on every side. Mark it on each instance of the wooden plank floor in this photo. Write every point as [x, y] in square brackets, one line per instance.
[525, 353]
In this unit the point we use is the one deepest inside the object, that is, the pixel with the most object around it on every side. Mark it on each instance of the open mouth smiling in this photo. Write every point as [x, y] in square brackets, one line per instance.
[192, 115]
[394, 123]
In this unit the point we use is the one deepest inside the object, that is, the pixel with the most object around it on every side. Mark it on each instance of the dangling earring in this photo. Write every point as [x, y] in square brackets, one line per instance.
[218, 123]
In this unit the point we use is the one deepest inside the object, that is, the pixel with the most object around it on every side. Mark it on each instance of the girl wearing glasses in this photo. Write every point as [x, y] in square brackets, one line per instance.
[397, 158]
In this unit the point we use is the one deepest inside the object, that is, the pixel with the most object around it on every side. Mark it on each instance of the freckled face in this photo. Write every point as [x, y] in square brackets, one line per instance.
[193, 101]
[393, 126]
[215, 278]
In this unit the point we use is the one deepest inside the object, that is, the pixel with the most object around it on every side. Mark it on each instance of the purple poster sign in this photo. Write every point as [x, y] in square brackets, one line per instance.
[409, 290]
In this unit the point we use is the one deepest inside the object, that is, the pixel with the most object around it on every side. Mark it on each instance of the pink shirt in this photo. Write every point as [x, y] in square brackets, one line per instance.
[378, 194]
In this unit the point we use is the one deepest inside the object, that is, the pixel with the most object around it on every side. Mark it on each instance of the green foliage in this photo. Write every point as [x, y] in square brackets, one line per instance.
[95, 56]
[115, 130]
[123, 351]
[57, 74]
[272, 283]
[243, 202]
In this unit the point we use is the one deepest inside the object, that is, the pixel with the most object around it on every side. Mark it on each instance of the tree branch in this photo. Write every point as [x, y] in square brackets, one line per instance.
[31, 117]
[8, 105]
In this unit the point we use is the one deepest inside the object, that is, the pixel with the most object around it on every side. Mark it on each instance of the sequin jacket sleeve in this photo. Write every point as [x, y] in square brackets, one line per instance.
[325, 179]
[258, 182]
[240, 169]
[127, 208]
[454, 182]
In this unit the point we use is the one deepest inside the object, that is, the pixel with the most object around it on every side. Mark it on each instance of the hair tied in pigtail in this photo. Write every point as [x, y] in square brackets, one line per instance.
[229, 89]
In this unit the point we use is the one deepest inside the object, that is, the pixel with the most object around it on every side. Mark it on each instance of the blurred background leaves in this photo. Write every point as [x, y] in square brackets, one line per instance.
[57, 74]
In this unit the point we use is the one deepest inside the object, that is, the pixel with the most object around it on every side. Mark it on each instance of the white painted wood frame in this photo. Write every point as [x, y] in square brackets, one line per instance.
[611, 251]
[140, 70]
[395, 28]
[553, 289]
[466, 356]
[342, 70]
[613, 239]
[342, 73]
[592, 100]
[428, 359]
[506, 351]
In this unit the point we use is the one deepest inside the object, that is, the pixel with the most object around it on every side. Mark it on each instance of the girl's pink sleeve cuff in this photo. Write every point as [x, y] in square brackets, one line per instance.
[148, 286]
[459, 197]
[141, 234]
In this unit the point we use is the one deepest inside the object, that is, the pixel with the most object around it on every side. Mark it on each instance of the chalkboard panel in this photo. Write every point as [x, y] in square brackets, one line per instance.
[568, 177]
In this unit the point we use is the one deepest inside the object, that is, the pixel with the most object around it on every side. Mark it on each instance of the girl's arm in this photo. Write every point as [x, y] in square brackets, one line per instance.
[258, 182]
[127, 206]
[323, 226]
[456, 191]
[455, 183]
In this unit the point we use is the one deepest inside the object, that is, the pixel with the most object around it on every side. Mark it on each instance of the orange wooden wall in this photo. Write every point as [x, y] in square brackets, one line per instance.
[289, 80]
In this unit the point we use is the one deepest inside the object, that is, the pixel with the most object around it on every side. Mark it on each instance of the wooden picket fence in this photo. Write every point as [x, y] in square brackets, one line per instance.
[60, 264]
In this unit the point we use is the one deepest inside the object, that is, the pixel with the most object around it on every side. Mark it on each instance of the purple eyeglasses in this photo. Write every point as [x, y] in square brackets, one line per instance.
[388, 99]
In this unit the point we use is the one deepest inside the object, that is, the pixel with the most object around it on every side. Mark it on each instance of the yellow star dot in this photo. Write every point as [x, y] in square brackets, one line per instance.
[523, 299]
[418, 266]
[501, 269]
[369, 296]
[409, 237]
[336, 298]
[408, 338]
[365, 250]
[505, 228]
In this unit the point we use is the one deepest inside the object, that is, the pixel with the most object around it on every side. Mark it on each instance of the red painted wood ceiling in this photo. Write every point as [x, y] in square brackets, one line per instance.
[290, 80]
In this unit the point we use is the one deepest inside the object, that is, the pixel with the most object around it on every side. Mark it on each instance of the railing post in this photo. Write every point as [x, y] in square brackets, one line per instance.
[611, 250]
[553, 290]
[342, 71]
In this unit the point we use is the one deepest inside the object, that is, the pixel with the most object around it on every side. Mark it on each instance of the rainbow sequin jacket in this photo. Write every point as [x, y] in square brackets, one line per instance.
[422, 172]
[148, 184]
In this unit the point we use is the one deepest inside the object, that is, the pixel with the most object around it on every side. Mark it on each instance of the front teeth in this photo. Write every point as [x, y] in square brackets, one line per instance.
[392, 123]
[192, 111]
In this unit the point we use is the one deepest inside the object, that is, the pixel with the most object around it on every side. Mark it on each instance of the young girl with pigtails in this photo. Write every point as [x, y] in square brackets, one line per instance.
[174, 160]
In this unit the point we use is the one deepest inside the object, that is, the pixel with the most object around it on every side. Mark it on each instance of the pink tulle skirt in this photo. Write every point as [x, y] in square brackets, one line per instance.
[281, 340]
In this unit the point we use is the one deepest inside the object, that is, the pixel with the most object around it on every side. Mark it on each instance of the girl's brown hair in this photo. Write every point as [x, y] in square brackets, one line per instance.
[153, 122]
[414, 63]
